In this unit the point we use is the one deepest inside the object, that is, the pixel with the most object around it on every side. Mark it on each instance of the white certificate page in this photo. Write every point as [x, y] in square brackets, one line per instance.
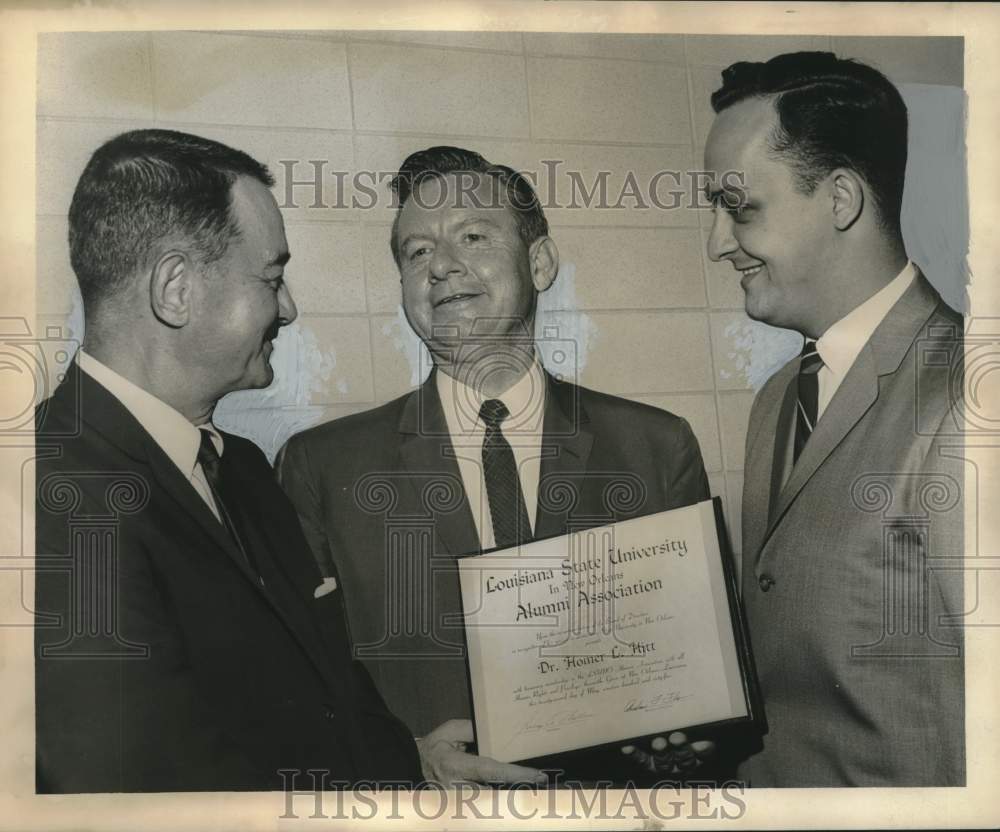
[600, 636]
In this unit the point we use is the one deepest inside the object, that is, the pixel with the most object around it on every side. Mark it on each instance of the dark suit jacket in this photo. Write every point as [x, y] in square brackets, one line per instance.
[846, 582]
[161, 663]
[382, 502]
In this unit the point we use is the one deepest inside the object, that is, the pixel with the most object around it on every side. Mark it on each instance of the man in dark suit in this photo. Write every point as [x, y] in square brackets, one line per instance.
[185, 639]
[489, 451]
[852, 499]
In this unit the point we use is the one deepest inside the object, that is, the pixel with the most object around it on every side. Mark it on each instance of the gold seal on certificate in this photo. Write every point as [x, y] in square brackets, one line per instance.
[606, 635]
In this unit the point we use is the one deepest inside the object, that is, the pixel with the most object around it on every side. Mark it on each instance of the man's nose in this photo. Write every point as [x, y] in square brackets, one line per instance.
[721, 242]
[287, 310]
[445, 263]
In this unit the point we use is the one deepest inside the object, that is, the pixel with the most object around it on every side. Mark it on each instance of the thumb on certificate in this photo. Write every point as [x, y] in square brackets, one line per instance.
[488, 770]
[452, 731]
[445, 760]
[441, 747]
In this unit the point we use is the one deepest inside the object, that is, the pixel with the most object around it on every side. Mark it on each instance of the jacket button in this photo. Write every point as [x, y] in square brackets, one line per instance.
[765, 582]
[328, 712]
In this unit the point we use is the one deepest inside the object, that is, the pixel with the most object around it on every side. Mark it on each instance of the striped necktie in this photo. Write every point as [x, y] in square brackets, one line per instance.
[226, 499]
[808, 397]
[503, 485]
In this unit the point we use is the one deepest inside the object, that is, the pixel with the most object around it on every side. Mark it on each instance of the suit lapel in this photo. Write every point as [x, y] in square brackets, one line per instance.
[283, 588]
[106, 415]
[854, 397]
[427, 456]
[859, 391]
[783, 445]
[760, 492]
[566, 445]
[179, 489]
[426, 449]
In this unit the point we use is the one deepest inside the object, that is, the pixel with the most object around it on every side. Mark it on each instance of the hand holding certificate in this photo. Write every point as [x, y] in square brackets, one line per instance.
[605, 635]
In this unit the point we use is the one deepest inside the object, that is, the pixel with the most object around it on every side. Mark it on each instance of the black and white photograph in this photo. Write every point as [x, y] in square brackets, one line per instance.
[527, 414]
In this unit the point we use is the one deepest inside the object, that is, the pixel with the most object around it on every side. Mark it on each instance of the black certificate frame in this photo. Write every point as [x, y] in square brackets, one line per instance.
[735, 737]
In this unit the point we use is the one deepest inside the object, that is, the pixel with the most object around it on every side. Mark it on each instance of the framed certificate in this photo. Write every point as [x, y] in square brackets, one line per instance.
[605, 636]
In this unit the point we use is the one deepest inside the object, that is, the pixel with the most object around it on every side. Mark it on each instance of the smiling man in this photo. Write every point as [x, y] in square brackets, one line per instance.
[490, 451]
[183, 640]
[853, 613]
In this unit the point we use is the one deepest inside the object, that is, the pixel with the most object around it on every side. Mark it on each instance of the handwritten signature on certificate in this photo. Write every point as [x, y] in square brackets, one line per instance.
[656, 703]
[554, 722]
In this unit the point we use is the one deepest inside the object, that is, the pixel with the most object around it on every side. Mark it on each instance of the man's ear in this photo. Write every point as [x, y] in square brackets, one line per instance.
[544, 258]
[848, 197]
[171, 288]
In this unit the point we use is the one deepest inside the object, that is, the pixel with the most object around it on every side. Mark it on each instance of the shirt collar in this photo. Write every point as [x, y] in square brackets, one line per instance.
[840, 345]
[169, 428]
[525, 399]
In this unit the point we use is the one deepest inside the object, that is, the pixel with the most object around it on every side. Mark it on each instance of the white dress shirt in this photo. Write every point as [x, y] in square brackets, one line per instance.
[522, 429]
[841, 344]
[171, 430]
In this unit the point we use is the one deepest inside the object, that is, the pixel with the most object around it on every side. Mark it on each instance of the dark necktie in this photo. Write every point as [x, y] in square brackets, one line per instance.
[226, 497]
[808, 397]
[503, 486]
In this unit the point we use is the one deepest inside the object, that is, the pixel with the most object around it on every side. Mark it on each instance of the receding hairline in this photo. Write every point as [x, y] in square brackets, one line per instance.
[499, 188]
[765, 128]
[767, 134]
[256, 196]
[481, 177]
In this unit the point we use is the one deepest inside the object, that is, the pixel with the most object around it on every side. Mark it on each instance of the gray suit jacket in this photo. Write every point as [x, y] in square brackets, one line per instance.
[851, 608]
[382, 502]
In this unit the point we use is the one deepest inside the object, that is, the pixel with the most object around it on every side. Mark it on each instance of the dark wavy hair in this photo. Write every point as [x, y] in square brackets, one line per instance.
[143, 188]
[832, 112]
[441, 160]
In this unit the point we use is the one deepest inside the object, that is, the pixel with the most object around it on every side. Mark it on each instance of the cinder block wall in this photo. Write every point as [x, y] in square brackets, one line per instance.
[648, 315]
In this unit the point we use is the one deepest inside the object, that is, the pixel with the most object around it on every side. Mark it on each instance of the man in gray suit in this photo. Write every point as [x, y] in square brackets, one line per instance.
[852, 496]
[491, 450]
